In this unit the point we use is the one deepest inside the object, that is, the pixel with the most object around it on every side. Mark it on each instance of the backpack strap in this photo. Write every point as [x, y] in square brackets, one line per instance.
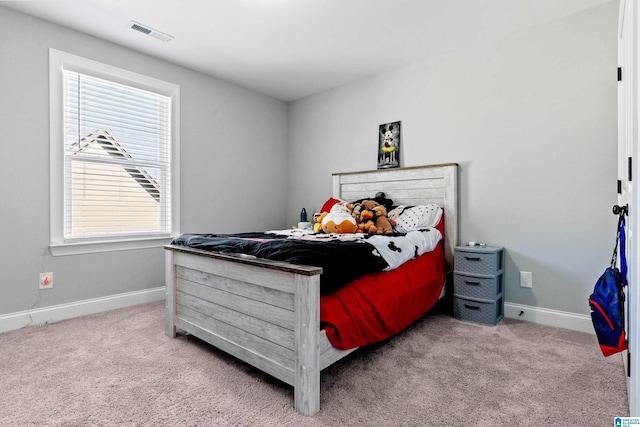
[623, 252]
[621, 211]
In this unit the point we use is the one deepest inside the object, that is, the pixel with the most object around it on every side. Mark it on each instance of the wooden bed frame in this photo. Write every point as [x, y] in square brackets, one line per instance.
[267, 313]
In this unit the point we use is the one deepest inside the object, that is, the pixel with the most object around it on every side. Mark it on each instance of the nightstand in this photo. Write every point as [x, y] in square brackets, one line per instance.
[478, 284]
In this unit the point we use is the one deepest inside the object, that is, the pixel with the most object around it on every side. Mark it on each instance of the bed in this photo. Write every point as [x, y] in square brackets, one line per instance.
[267, 313]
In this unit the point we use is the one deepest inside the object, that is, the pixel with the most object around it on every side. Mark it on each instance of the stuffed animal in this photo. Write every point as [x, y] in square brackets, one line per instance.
[317, 221]
[369, 204]
[383, 224]
[341, 207]
[339, 219]
[339, 222]
[356, 210]
[380, 198]
[367, 227]
[366, 224]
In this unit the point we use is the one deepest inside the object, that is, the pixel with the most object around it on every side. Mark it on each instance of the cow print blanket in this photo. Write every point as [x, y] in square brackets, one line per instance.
[343, 257]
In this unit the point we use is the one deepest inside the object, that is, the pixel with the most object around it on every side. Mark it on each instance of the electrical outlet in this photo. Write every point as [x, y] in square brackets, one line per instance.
[526, 279]
[46, 281]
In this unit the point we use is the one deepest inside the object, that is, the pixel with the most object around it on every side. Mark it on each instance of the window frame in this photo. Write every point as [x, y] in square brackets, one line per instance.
[58, 246]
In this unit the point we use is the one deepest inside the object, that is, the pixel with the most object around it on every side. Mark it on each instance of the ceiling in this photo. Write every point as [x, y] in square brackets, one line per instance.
[289, 49]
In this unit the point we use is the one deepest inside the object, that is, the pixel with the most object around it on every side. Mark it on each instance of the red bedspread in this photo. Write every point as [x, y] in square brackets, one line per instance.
[378, 305]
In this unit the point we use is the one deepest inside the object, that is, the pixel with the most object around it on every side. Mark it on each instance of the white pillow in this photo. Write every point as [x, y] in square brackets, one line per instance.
[409, 218]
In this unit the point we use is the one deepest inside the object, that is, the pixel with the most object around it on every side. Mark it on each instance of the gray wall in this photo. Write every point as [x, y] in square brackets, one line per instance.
[229, 137]
[530, 118]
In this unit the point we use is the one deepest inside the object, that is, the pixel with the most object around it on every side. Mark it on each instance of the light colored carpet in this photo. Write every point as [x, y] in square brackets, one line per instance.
[119, 369]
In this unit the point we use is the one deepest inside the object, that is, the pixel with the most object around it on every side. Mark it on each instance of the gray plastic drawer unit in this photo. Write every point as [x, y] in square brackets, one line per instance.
[478, 284]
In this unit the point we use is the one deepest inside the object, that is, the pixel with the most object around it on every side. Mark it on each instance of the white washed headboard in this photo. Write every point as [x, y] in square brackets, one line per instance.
[417, 185]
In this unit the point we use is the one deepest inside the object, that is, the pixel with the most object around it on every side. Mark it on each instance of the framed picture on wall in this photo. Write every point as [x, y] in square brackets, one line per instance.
[389, 145]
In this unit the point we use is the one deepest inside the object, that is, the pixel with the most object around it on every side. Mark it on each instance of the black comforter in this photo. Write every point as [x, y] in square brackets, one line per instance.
[341, 261]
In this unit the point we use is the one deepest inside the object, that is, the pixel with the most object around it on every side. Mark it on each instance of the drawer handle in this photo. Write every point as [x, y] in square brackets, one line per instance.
[472, 258]
[472, 307]
[468, 282]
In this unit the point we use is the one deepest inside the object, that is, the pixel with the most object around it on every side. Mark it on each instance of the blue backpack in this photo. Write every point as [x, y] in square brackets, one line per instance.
[607, 300]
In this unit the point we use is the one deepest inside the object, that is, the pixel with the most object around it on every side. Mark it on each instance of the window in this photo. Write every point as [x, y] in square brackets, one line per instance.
[114, 151]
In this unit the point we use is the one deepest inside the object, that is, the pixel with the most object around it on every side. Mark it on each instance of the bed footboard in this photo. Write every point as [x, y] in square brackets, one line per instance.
[263, 312]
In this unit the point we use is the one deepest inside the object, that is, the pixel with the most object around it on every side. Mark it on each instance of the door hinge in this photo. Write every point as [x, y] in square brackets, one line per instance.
[619, 187]
[630, 166]
[619, 73]
[628, 363]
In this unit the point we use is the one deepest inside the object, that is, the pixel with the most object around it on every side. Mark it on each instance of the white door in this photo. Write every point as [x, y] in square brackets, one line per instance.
[628, 159]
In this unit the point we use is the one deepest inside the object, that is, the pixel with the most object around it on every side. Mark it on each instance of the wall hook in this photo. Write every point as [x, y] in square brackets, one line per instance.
[620, 210]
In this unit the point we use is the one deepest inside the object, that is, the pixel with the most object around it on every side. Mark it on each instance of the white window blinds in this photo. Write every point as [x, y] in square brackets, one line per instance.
[117, 159]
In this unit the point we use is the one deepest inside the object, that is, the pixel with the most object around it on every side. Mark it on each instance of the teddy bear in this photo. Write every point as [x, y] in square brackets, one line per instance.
[366, 224]
[380, 198]
[369, 204]
[383, 224]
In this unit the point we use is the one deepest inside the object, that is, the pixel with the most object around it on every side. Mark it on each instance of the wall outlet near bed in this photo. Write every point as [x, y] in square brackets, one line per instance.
[526, 279]
[46, 281]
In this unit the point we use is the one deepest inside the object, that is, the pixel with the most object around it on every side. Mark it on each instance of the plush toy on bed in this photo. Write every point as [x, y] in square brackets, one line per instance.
[317, 221]
[383, 224]
[339, 220]
[366, 224]
[369, 204]
[356, 210]
[379, 199]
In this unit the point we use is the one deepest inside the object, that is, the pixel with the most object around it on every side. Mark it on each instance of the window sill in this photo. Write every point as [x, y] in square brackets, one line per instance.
[79, 248]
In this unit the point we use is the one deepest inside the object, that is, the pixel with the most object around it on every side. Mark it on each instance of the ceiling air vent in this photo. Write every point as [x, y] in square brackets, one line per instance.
[150, 31]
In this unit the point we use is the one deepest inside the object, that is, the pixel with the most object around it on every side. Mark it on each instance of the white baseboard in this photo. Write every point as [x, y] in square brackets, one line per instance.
[545, 316]
[11, 321]
[54, 313]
